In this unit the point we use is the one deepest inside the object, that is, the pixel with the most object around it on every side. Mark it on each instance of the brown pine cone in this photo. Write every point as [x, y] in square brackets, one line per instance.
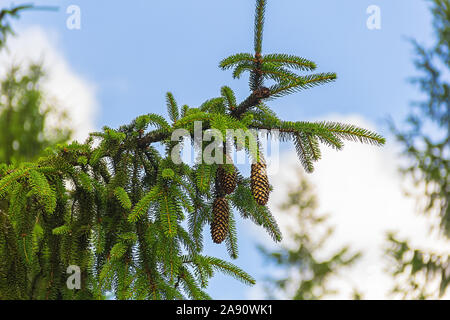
[219, 226]
[227, 178]
[260, 183]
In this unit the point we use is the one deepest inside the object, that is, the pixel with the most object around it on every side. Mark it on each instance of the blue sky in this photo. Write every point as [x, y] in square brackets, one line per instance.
[136, 51]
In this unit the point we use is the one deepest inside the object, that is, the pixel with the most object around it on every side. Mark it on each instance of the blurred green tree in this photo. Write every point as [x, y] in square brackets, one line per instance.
[420, 273]
[5, 25]
[24, 107]
[24, 115]
[307, 270]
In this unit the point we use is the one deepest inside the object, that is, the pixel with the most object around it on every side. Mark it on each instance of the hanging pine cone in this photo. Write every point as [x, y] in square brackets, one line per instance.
[260, 183]
[219, 226]
[227, 179]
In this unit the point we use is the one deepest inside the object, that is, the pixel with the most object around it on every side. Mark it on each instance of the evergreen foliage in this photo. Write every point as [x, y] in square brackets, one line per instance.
[24, 116]
[5, 26]
[421, 273]
[14, 12]
[115, 206]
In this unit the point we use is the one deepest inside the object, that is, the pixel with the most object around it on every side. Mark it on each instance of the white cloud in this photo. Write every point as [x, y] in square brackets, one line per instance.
[73, 93]
[361, 189]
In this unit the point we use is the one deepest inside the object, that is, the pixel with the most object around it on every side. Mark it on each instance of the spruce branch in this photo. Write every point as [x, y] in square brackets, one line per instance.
[290, 61]
[277, 73]
[241, 68]
[253, 100]
[143, 205]
[229, 96]
[306, 82]
[259, 25]
[172, 107]
[354, 133]
[117, 208]
[304, 151]
[123, 198]
[230, 269]
[236, 59]
[231, 239]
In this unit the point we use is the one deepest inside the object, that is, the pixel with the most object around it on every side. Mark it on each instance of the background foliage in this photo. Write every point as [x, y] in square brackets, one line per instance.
[307, 270]
[421, 273]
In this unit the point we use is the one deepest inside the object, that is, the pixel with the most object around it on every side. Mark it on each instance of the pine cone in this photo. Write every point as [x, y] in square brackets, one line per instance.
[219, 226]
[227, 179]
[260, 183]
